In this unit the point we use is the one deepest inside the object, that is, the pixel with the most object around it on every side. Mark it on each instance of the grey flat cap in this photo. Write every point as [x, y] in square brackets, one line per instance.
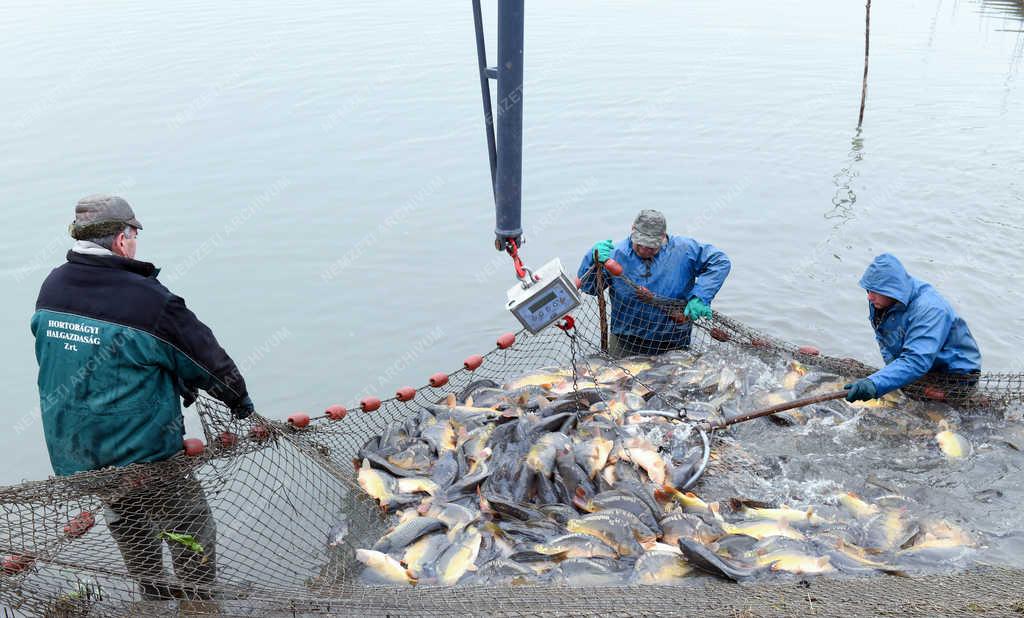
[101, 215]
[649, 228]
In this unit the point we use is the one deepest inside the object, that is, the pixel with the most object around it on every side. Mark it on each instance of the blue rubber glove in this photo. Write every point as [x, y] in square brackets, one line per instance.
[604, 249]
[861, 390]
[696, 309]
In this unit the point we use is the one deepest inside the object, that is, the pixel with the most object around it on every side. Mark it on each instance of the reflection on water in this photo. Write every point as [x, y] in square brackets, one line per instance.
[845, 196]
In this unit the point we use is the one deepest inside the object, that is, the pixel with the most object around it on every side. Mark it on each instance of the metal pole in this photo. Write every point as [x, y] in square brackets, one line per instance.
[508, 185]
[485, 90]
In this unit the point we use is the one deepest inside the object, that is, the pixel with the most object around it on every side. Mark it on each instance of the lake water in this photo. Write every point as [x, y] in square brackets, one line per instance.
[313, 179]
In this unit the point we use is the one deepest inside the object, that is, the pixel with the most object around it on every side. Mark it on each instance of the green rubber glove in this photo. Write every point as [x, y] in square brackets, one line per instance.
[861, 390]
[696, 309]
[187, 540]
[604, 249]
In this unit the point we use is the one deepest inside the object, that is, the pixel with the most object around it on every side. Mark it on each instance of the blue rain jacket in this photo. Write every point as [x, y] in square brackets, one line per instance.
[918, 334]
[683, 269]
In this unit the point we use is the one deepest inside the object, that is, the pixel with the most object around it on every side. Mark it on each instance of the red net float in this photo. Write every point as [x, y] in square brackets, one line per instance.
[298, 420]
[336, 412]
[438, 379]
[406, 393]
[761, 344]
[506, 340]
[613, 267]
[194, 447]
[369, 404]
[935, 393]
[719, 335]
[473, 362]
[809, 350]
[17, 563]
[79, 524]
[579, 283]
[260, 433]
[227, 439]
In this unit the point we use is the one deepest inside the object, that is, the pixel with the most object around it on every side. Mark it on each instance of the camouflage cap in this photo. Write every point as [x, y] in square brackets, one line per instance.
[649, 229]
[102, 215]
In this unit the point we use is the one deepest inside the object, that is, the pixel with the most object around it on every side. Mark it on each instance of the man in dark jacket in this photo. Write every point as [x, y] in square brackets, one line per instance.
[917, 330]
[115, 350]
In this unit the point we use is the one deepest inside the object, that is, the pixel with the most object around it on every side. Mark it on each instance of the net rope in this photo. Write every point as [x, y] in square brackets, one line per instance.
[244, 526]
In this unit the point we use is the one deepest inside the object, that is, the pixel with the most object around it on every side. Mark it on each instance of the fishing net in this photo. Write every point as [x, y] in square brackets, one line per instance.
[249, 525]
[662, 321]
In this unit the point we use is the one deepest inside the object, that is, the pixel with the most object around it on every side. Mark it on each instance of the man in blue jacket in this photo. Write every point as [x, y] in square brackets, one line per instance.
[917, 330]
[116, 349]
[667, 282]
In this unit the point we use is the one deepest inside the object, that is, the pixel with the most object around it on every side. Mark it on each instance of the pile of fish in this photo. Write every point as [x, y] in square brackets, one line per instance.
[551, 479]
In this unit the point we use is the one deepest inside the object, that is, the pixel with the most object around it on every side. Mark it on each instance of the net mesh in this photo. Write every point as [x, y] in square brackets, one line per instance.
[251, 525]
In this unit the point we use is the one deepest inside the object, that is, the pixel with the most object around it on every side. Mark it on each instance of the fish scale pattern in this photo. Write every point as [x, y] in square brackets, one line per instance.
[246, 525]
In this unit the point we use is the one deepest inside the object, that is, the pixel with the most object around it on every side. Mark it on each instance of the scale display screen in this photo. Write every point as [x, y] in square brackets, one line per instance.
[551, 306]
[546, 301]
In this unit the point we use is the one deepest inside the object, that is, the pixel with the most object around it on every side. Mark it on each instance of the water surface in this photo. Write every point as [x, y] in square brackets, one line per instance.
[312, 176]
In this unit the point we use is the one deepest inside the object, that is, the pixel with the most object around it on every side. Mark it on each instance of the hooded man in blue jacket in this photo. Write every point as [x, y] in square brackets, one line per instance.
[686, 273]
[917, 330]
[116, 350]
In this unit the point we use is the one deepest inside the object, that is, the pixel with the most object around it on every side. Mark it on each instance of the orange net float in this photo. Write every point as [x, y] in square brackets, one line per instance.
[226, 439]
[473, 362]
[613, 267]
[17, 563]
[505, 341]
[194, 447]
[79, 524]
[298, 420]
[336, 412]
[369, 404]
[406, 393]
[719, 335]
[809, 350]
[438, 380]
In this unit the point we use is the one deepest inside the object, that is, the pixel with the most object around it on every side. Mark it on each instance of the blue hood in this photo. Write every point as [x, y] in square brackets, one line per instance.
[887, 276]
[922, 333]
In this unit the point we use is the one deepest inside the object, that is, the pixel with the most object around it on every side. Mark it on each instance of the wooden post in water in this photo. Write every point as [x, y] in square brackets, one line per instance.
[867, 47]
